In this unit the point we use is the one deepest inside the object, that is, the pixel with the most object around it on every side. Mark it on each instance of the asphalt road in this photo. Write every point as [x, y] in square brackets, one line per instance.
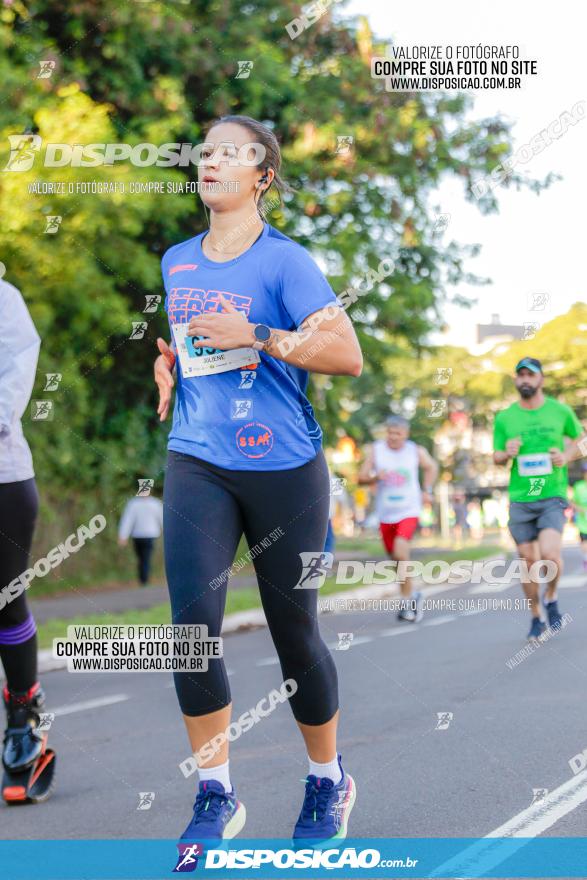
[512, 730]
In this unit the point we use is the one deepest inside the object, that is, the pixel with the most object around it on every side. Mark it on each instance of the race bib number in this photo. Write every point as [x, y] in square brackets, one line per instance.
[391, 506]
[536, 465]
[393, 499]
[199, 360]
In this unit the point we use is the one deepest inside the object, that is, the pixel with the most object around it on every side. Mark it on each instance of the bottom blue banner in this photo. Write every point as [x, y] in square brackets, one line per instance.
[368, 858]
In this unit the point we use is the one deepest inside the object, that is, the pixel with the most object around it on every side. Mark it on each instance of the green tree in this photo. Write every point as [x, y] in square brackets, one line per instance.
[158, 72]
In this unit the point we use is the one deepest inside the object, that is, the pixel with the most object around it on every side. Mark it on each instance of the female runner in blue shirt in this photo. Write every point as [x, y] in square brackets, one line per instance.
[245, 455]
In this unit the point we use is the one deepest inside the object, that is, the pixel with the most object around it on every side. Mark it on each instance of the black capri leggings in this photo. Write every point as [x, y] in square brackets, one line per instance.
[206, 510]
[19, 503]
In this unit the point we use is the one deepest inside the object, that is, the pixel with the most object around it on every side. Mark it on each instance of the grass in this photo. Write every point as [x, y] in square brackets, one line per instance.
[116, 569]
[237, 600]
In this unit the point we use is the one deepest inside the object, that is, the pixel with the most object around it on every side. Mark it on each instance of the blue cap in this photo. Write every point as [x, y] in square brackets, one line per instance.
[532, 364]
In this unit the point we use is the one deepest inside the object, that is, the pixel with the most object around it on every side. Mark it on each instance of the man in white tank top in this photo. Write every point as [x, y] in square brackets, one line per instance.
[392, 465]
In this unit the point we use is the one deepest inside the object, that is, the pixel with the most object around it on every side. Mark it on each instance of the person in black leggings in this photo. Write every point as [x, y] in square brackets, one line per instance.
[250, 316]
[19, 504]
[294, 502]
[23, 697]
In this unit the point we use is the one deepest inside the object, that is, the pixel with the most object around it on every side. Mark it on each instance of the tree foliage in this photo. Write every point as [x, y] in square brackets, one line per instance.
[159, 72]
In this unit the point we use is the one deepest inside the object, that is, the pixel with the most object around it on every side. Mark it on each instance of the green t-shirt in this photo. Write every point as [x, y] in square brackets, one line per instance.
[580, 499]
[532, 476]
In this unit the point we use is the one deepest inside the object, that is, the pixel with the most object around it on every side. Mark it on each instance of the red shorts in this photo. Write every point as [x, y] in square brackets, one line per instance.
[405, 528]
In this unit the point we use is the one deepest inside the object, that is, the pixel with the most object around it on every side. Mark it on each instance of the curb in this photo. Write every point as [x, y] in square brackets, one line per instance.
[241, 621]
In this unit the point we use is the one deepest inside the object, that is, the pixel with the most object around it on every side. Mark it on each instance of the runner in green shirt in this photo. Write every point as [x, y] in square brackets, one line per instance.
[531, 433]
[580, 505]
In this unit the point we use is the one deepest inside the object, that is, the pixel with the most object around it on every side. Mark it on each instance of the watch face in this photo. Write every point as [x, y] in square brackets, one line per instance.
[262, 332]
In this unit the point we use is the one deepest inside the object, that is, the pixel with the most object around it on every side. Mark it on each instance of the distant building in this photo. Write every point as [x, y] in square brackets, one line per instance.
[495, 334]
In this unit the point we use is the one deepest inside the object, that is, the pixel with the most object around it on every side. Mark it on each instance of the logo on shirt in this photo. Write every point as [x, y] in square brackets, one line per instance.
[241, 409]
[397, 478]
[187, 302]
[182, 268]
[254, 440]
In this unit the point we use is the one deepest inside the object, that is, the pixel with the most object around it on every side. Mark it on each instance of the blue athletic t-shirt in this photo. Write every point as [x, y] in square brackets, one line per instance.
[249, 418]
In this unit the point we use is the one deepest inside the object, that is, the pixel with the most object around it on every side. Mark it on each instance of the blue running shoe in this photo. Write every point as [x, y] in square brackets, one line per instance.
[536, 629]
[326, 808]
[217, 814]
[554, 616]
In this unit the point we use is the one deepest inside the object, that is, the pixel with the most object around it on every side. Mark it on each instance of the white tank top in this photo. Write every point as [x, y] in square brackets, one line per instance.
[399, 496]
[19, 352]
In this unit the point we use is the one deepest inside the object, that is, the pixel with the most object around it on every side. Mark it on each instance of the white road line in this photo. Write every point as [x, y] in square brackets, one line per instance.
[482, 857]
[399, 631]
[436, 621]
[573, 581]
[90, 704]
[268, 661]
[491, 588]
[567, 582]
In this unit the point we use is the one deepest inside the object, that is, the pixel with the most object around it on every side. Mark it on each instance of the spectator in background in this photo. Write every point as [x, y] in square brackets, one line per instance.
[459, 505]
[503, 513]
[427, 519]
[580, 506]
[360, 499]
[330, 543]
[142, 520]
[475, 519]
[490, 509]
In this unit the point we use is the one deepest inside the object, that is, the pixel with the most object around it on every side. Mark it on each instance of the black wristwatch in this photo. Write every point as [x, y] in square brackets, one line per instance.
[261, 332]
